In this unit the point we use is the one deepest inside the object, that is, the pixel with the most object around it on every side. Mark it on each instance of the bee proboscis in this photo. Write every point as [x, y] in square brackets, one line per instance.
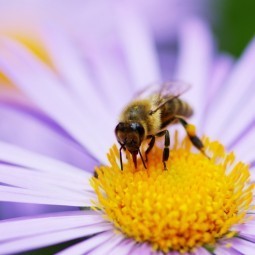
[148, 116]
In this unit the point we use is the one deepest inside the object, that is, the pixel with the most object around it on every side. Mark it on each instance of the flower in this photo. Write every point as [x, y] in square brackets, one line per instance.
[34, 178]
[38, 25]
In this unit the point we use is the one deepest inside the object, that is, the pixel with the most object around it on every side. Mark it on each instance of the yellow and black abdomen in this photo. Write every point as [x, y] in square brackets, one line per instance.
[172, 108]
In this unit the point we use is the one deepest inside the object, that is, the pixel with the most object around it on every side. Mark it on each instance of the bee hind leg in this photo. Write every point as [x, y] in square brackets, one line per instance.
[150, 146]
[191, 132]
[166, 144]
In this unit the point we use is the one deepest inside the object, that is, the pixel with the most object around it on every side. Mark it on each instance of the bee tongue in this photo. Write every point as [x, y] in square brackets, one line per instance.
[134, 154]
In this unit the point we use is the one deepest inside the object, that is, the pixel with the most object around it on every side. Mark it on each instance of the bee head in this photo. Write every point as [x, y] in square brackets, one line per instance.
[130, 135]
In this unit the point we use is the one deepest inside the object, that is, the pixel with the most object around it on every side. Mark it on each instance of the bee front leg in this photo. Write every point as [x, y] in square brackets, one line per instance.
[150, 146]
[166, 148]
[121, 148]
[191, 132]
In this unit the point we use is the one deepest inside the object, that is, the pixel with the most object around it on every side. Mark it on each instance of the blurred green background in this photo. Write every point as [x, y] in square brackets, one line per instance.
[233, 23]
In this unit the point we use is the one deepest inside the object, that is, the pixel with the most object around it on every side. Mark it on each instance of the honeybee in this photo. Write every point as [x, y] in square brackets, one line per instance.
[148, 116]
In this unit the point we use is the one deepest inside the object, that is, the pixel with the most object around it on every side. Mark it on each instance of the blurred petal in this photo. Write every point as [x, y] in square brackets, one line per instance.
[20, 228]
[12, 194]
[139, 50]
[37, 133]
[71, 68]
[15, 155]
[241, 119]
[222, 67]
[27, 71]
[37, 180]
[193, 64]
[112, 81]
[34, 242]
[236, 90]
[243, 146]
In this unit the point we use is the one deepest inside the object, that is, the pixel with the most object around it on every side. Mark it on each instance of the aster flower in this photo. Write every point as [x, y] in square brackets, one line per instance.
[213, 198]
[30, 23]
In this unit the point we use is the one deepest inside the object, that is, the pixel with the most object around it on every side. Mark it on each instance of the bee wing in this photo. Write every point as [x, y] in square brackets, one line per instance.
[148, 91]
[163, 93]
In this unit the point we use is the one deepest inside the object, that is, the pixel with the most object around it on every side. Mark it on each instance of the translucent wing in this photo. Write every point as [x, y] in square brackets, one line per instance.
[163, 93]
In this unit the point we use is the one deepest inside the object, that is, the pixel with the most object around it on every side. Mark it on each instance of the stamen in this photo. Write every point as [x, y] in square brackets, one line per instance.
[194, 203]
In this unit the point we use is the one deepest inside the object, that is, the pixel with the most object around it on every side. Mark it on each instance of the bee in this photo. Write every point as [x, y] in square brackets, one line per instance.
[148, 116]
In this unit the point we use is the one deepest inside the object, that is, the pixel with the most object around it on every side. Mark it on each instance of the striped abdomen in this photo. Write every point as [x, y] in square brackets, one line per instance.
[174, 107]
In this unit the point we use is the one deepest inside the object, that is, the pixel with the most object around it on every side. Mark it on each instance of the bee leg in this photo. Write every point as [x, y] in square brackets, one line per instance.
[191, 131]
[121, 163]
[166, 148]
[151, 144]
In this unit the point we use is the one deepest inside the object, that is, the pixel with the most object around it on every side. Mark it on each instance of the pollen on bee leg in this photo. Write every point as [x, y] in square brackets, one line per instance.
[191, 129]
[180, 209]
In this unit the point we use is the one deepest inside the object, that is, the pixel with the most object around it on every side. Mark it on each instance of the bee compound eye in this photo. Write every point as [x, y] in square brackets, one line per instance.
[139, 128]
[119, 127]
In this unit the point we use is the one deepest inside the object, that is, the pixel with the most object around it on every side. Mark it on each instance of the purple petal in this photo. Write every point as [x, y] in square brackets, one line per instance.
[14, 155]
[226, 251]
[244, 144]
[241, 118]
[143, 248]
[112, 79]
[201, 251]
[237, 141]
[87, 245]
[247, 227]
[13, 194]
[20, 228]
[123, 248]
[37, 135]
[138, 47]
[221, 69]
[237, 87]
[107, 246]
[243, 246]
[69, 64]
[34, 242]
[25, 71]
[37, 180]
[193, 64]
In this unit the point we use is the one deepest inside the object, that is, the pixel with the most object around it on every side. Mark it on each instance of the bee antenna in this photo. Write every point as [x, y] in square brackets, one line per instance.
[142, 159]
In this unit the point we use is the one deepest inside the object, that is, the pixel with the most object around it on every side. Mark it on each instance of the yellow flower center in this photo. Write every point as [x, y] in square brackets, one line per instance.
[193, 203]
